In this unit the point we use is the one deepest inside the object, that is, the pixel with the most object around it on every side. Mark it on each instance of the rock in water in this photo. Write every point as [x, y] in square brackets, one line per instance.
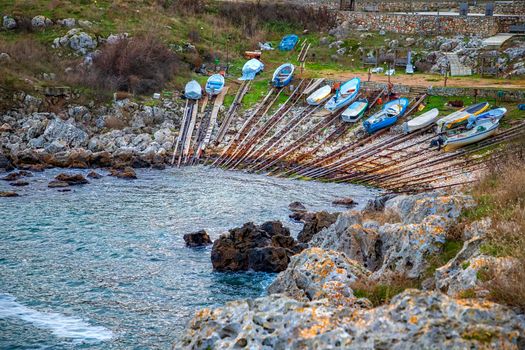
[197, 239]
[94, 175]
[412, 320]
[126, 173]
[316, 274]
[8, 194]
[19, 183]
[345, 202]
[315, 223]
[296, 206]
[267, 247]
[57, 184]
[72, 179]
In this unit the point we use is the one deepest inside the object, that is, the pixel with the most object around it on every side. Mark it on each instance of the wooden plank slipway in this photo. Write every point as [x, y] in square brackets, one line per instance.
[213, 119]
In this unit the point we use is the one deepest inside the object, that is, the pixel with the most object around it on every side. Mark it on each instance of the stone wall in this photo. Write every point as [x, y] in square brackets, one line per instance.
[504, 95]
[436, 25]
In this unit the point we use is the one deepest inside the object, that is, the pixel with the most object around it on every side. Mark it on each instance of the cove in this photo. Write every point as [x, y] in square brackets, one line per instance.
[108, 258]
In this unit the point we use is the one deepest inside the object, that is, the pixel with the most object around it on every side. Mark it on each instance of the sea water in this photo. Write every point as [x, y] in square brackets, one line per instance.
[105, 266]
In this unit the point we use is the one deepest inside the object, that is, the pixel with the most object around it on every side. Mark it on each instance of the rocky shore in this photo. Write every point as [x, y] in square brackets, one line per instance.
[318, 301]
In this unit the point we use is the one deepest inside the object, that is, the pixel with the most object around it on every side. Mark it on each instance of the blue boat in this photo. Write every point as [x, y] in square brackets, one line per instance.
[493, 114]
[215, 84]
[251, 69]
[288, 42]
[344, 95]
[387, 116]
[283, 75]
[193, 90]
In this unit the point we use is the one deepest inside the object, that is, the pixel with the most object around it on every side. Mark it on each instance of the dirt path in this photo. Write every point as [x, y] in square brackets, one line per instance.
[432, 80]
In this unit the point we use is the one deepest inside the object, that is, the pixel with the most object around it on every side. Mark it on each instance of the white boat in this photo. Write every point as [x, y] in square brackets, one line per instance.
[251, 69]
[193, 90]
[319, 96]
[421, 121]
[355, 111]
[460, 116]
[483, 129]
[390, 72]
[493, 114]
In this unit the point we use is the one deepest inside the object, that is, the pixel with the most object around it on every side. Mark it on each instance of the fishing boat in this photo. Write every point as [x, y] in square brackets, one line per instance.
[283, 75]
[193, 90]
[387, 116]
[421, 121]
[215, 84]
[493, 114]
[319, 96]
[288, 42]
[251, 68]
[355, 111]
[344, 95]
[460, 117]
[482, 129]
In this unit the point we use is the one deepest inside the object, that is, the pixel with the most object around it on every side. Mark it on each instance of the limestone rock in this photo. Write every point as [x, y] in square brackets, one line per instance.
[76, 39]
[67, 22]
[345, 202]
[315, 223]
[197, 239]
[41, 22]
[94, 175]
[316, 274]
[4, 58]
[19, 183]
[415, 208]
[57, 184]
[267, 247]
[59, 130]
[412, 320]
[126, 173]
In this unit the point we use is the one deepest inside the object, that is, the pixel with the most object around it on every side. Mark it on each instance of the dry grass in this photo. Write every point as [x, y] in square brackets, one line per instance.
[382, 216]
[381, 292]
[501, 196]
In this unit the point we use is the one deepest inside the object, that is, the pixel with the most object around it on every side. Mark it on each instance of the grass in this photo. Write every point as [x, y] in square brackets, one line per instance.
[500, 195]
[450, 249]
[380, 293]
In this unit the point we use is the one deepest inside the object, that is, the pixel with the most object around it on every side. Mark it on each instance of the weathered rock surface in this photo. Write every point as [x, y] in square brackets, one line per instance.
[77, 40]
[345, 202]
[413, 320]
[267, 247]
[415, 208]
[315, 222]
[126, 173]
[197, 239]
[316, 274]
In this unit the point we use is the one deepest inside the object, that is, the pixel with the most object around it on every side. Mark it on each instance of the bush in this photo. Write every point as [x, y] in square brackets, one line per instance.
[139, 65]
[253, 16]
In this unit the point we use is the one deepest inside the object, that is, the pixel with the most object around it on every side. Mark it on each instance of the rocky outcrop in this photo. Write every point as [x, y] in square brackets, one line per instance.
[197, 239]
[65, 133]
[415, 208]
[267, 247]
[316, 274]
[413, 320]
[125, 173]
[315, 222]
[77, 40]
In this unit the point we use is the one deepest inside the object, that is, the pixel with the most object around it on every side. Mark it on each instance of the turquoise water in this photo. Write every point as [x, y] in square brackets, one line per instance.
[105, 266]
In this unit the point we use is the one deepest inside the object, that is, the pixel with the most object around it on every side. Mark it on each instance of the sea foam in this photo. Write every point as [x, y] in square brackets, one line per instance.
[61, 326]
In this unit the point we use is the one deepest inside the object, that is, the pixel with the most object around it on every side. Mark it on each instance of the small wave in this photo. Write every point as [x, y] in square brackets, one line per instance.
[60, 325]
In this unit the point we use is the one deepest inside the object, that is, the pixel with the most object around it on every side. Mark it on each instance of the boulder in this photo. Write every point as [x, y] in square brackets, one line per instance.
[412, 320]
[19, 183]
[296, 206]
[67, 22]
[267, 247]
[197, 239]
[77, 40]
[9, 22]
[345, 202]
[94, 175]
[57, 184]
[415, 208]
[315, 223]
[125, 173]
[350, 235]
[67, 132]
[8, 194]
[101, 159]
[72, 179]
[5, 162]
[4, 58]
[41, 22]
[316, 274]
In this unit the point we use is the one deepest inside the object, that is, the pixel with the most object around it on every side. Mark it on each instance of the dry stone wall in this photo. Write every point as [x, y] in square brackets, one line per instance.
[435, 25]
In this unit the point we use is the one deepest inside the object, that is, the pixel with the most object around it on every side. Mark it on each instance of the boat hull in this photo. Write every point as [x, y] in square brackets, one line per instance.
[193, 90]
[214, 85]
[421, 121]
[283, 75]
[451, 145]
[319, 96]
[355, 111]
[337, 102]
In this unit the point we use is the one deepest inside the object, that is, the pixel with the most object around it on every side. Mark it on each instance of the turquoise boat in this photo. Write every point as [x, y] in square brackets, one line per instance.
[493, 114]
[193, 90]
[215, 84]
[344, 95]
[387, 116]
[283, 75]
